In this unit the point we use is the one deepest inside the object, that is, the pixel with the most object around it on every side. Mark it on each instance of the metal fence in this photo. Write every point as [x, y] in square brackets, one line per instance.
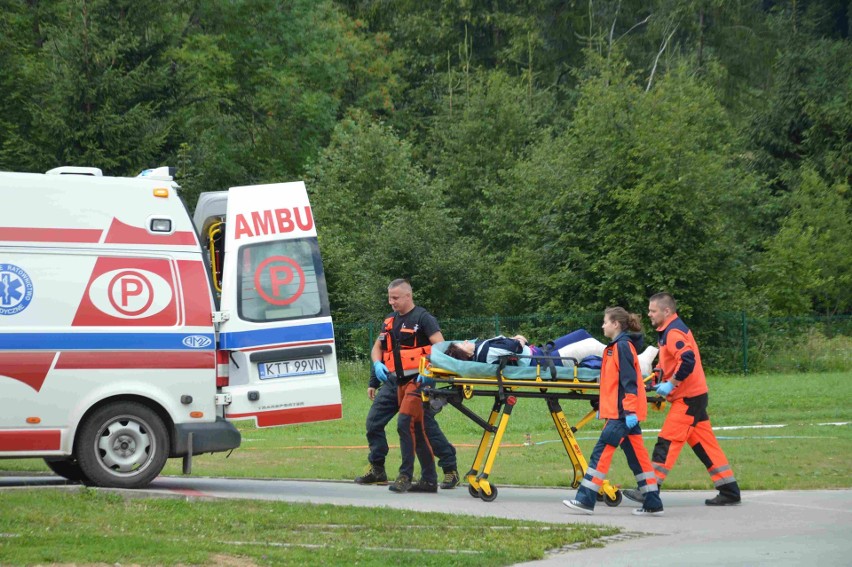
[729, 342]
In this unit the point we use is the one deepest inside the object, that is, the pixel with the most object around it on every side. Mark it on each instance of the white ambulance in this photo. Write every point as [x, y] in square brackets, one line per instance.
[128, 337]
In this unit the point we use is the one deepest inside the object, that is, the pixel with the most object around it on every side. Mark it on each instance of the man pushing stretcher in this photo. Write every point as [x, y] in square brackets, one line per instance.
[685, 388]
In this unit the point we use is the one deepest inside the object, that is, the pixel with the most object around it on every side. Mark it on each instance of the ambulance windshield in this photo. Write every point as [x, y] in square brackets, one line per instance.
[281, 280]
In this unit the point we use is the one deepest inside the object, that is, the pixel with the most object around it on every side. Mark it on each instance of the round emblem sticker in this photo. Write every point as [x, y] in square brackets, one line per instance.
[16, 289]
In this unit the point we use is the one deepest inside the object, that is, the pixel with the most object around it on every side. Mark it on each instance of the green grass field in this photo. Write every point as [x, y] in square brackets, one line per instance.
[811, 450]
[90, 527]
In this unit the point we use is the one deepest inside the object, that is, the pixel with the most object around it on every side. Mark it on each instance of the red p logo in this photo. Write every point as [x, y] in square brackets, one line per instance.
[275, 275]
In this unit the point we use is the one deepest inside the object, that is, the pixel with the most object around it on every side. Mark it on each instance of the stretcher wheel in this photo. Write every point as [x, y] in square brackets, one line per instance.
[615, 502]
[472, 491]
[489, 497]
[599, 497]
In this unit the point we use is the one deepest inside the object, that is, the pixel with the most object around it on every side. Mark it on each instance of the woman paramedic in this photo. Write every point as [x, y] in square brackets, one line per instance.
[623, 404]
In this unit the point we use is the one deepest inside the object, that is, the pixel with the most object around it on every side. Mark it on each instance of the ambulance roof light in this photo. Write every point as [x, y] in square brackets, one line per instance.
[74, 170]
[164, 173]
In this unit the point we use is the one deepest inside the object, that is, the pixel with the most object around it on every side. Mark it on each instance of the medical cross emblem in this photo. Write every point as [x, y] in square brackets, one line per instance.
[16, 289]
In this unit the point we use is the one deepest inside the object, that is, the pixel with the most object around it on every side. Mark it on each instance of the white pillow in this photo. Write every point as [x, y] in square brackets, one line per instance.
[646, 360]
[582, 349]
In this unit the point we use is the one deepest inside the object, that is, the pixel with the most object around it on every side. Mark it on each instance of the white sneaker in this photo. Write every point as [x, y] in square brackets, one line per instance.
[579, 507]
[646, 512]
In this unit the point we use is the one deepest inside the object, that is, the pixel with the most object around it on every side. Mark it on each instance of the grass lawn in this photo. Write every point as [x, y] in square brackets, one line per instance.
[86, 526]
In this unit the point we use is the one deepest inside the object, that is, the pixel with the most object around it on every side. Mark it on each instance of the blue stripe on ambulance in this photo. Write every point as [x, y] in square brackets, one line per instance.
[104, 341]
[260, 337]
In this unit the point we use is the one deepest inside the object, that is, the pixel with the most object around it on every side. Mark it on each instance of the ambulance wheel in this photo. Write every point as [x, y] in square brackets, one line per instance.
[615, 501]
[489, 497]
[122, 445]
[472, 491]
[69, 469]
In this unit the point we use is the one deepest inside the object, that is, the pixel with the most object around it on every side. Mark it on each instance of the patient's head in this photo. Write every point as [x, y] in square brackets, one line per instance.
[461, 350]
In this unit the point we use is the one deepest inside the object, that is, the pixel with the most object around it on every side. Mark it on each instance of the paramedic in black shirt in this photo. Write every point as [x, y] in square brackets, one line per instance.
[415, 330]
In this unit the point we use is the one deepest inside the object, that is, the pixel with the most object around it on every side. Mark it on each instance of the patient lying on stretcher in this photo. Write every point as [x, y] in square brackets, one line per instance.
[574, 346]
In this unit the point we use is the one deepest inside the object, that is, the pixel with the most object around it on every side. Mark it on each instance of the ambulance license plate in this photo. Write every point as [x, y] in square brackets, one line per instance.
[296, 367]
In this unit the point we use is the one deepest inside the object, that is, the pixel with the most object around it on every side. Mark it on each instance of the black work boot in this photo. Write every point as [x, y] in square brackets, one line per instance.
[401, 484]
[424, 486]
[451, 480]
[722, 500]
[375, 475]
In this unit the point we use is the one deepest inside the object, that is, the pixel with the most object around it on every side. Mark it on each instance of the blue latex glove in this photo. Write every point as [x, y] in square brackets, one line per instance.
[631, 420]
[424, 381]
[664, 389]
[381, 371]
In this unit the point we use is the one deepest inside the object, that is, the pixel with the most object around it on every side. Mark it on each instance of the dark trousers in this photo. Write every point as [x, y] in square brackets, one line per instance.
[614, 434]
[385, 407]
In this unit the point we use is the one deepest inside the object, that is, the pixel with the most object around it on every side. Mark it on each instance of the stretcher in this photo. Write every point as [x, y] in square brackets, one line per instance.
[456, 381]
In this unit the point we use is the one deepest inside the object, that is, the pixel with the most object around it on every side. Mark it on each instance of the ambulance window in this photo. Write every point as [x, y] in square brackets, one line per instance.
[281, 280]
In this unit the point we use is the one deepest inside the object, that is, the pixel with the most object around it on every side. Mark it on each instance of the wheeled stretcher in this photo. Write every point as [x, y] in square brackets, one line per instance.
[457, 381]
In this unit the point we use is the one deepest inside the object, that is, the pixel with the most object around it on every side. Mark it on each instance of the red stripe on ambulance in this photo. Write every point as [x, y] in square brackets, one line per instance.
[122, 233]
[41, 440]
[198, 306]
[291, 416]
[160, 360]
[27, 367]
[18, 234]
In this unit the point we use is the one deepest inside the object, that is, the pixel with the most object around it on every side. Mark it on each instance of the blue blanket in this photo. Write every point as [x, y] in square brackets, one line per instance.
[471, 369]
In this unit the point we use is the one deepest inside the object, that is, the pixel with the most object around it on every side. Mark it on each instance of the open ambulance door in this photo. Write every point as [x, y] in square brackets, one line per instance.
[275, 330]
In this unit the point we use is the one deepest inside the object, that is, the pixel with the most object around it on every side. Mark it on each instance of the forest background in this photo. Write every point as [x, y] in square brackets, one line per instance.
[507, 156]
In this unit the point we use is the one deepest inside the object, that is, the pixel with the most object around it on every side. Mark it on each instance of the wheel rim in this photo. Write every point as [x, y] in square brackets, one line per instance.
[124, 446]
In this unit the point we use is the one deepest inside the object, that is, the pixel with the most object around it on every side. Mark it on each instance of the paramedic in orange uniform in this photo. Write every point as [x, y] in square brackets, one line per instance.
[623, 404]
[685, 388]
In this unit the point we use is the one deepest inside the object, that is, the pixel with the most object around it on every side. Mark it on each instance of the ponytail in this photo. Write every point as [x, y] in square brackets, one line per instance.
[627, 321]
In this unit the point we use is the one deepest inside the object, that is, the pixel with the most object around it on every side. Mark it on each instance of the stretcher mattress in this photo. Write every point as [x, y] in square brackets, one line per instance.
[471, 369]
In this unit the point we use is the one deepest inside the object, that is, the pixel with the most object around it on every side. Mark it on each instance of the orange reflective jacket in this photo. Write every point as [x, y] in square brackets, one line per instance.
[679, 358]
[622, 388]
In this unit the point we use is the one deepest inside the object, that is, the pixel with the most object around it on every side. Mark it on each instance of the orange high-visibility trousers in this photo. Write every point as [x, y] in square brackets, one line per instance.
[688, 422]
[412, 434]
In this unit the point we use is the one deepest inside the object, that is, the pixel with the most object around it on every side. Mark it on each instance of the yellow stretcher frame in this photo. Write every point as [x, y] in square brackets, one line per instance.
[459, 388]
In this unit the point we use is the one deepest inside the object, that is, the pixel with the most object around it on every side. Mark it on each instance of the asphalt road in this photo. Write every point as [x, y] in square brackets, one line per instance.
[775, 528]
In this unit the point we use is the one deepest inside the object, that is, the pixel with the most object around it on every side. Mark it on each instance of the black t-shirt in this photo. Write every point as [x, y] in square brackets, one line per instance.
[421, 322]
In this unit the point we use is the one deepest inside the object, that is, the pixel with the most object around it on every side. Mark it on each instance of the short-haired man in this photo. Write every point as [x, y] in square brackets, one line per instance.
[407, 334]
[685, 387]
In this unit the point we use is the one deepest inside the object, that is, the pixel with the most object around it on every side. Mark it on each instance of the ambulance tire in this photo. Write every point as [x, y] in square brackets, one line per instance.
[122, 445]
[69, 469]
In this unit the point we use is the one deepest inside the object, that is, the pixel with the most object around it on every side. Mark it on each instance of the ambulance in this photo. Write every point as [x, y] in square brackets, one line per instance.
[131, 333]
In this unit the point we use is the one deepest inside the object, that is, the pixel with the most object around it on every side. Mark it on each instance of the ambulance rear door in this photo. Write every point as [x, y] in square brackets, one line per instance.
[276, 330]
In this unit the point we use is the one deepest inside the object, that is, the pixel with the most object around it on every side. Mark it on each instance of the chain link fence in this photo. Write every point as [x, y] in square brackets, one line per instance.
[729, 342]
